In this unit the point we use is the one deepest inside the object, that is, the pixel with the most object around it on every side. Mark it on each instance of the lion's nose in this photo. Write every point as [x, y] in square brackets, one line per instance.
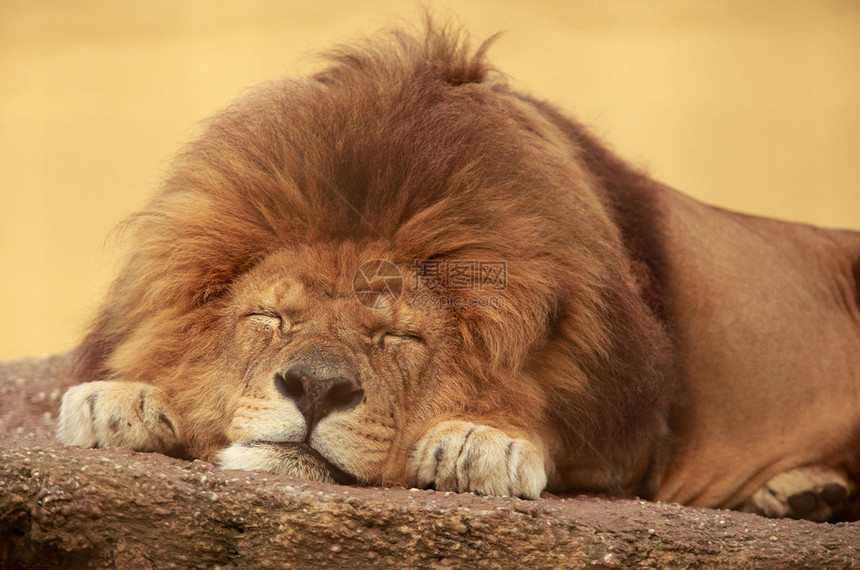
[318, 397]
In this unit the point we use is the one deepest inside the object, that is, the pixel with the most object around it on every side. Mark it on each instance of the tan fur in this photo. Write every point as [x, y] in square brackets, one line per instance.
[642, 343]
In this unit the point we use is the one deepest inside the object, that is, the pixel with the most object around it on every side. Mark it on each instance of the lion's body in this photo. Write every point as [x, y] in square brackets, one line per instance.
[640, 343]
[766, 321]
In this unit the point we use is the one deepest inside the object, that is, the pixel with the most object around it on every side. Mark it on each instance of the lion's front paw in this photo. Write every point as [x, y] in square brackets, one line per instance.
[130, 415]
[462, 456]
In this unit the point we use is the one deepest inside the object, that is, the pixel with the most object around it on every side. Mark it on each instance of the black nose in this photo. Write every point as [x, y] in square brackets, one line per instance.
[318, 397]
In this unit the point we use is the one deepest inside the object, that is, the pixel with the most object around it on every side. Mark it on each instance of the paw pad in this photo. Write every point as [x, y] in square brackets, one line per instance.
[813, 493]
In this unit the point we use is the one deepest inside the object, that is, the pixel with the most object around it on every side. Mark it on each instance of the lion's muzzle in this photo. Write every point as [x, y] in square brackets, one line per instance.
[320, 381]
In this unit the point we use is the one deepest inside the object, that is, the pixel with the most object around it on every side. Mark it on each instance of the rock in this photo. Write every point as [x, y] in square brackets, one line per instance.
[71, 507]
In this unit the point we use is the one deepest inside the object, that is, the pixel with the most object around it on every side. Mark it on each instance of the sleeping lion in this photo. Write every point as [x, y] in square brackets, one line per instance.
[399, 271]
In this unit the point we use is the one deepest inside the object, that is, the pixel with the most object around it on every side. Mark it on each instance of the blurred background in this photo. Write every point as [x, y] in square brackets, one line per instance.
[753, 106]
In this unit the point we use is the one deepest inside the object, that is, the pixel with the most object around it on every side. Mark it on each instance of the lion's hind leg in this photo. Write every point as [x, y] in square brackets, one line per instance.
[814, 493]
[129, 415]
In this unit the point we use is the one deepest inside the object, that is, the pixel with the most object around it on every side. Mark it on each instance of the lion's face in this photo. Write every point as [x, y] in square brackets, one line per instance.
[336, 370]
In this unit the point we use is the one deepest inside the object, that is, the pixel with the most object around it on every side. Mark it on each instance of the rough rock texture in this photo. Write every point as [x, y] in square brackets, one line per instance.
[70, 507]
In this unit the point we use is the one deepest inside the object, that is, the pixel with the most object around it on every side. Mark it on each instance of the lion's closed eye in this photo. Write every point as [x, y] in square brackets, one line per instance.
[269, 319]
[391, 339]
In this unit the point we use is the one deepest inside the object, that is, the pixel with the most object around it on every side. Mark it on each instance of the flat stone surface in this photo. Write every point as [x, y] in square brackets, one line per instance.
[72, 507]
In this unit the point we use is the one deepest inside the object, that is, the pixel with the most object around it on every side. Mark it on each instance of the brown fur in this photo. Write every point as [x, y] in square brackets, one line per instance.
[411, 148]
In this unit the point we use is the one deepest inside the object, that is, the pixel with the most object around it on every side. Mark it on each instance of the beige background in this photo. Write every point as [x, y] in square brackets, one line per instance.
[752, 105]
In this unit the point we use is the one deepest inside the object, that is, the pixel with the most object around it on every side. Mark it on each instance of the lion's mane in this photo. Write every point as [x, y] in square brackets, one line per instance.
[413, 139]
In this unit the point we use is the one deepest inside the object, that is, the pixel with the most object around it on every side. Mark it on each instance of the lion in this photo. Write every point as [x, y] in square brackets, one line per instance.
[401, 271]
